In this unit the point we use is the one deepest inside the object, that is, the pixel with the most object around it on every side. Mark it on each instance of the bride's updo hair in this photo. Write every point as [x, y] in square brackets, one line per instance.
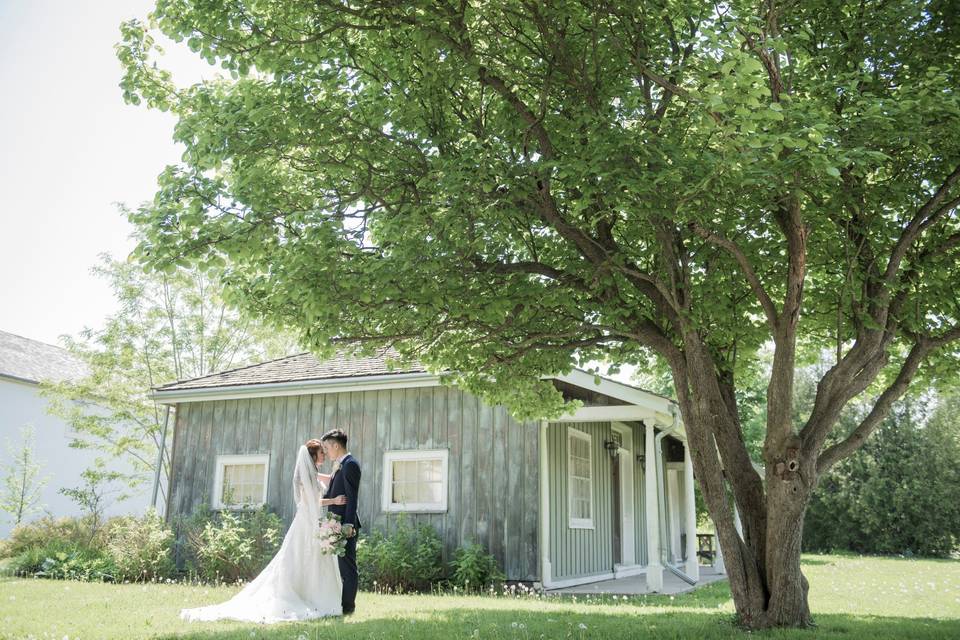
[314, 446]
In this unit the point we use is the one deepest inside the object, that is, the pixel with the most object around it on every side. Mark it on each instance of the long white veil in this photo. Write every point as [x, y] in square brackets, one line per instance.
[306, 486]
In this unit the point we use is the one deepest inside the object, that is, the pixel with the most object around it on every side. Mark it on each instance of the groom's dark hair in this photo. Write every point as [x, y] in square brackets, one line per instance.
[335, 434]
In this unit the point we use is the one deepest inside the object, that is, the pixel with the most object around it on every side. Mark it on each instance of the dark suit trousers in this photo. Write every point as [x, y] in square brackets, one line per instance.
[348, 573]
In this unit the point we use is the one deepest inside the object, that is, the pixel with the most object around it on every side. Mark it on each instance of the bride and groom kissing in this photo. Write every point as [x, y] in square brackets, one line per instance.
[302, 581]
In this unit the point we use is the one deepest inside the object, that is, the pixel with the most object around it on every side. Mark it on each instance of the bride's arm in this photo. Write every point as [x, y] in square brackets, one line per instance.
[339, 500]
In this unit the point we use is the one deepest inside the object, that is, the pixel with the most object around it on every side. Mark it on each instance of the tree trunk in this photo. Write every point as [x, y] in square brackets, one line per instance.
[787, 500]
[763, 563]
[769, 591]
[763, 558]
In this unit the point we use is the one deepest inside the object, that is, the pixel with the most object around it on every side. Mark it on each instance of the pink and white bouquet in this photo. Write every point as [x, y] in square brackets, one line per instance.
[332, 538]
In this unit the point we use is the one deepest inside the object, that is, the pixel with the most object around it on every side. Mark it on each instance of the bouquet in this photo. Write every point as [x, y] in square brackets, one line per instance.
[332, 538]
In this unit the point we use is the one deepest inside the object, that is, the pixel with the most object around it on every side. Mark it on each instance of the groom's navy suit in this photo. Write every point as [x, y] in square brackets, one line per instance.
[346, 482]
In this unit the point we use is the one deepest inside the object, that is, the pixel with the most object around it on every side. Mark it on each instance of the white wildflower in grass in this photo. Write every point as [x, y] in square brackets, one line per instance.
[582, 626]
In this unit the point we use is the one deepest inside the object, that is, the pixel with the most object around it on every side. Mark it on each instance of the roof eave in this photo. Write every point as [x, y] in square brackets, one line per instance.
[656, 405]
[297, 387]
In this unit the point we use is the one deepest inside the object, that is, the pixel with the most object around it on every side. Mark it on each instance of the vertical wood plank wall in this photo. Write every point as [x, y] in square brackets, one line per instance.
[580, 552]
[493, 486]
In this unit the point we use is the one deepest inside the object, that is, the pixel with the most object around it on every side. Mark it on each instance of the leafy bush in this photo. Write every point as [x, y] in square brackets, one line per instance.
[473, 569]
[42, 532]
[64, 560]
[897, 494]
[229, 546]
[409, 559]
[141, 548]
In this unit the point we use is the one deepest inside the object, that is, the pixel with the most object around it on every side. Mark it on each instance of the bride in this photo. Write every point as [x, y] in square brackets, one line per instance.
[300, 582]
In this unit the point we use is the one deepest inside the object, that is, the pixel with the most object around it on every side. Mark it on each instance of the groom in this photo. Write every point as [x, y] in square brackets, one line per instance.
[345, 482]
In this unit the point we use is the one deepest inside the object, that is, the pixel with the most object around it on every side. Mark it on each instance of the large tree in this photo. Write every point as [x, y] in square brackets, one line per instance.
[508, 188]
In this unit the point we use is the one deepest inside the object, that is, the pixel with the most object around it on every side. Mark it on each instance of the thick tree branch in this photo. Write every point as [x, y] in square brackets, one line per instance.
[897, 388]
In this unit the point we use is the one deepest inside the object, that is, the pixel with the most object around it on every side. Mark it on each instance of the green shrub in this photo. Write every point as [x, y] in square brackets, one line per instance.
[44, 531]
[409, 559]
[141, 548]
[64, 560]
[229, 546]
[898, 493]
[473, 569]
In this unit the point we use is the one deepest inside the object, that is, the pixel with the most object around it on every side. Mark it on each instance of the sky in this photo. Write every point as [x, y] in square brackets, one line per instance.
[70, 149]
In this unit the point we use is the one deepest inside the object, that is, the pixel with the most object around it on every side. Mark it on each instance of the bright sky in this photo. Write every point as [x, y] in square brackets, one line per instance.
[69, 150]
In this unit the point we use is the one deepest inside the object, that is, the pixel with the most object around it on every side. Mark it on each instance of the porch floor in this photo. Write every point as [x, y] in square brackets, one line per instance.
[637, 585]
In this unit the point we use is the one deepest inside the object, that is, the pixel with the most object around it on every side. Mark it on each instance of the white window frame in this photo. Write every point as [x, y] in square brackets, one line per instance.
[389, 457]
[579, 523]
[224, 460]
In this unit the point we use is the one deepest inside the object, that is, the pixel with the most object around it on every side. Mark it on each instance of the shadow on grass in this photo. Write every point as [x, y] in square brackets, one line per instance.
[839, 556]
[709, 596]
[603, 624]
[815, 562]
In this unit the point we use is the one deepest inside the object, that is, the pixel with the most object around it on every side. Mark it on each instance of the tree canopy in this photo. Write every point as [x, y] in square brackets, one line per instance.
[507, 189]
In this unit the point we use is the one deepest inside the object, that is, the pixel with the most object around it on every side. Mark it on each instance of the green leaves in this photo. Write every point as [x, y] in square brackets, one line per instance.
[365, 179]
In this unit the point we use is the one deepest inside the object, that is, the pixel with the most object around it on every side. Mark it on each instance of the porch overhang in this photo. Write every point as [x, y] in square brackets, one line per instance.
[617, 412]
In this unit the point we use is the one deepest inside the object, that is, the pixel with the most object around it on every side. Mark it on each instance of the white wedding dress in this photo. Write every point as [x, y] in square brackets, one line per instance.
[300, 582]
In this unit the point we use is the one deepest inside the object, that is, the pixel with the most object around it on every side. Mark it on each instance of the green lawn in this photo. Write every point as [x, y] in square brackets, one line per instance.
[852, 597]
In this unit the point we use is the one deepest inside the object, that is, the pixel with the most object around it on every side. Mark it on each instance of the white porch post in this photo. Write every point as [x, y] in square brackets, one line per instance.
[718, 564]
[654, 568]
[546, 569]
[693, 565]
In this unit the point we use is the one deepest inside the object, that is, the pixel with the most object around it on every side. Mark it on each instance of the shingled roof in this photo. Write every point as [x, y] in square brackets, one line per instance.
[34, 361]
[299, 367]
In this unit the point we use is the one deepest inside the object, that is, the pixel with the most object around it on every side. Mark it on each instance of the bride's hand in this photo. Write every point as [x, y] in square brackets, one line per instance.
[339, 500]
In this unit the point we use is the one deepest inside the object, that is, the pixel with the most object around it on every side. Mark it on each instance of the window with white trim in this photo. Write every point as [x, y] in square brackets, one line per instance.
[240, 481]
[415, 480]
[580, 478]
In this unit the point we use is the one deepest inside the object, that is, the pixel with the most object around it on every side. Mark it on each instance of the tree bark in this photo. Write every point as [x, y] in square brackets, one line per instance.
[763, 564]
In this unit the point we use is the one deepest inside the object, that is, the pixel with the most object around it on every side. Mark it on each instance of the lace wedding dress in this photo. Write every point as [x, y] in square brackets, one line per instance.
[300, 582]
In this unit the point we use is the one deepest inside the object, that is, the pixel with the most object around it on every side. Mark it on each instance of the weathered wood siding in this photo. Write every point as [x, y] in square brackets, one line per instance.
[580, 552]
[576, 553]
[493, 491]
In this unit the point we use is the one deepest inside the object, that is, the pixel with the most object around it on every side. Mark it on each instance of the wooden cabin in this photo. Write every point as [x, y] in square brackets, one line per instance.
[602, 493]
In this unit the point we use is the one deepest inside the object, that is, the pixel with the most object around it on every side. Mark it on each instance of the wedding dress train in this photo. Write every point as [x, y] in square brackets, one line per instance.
[300, 582]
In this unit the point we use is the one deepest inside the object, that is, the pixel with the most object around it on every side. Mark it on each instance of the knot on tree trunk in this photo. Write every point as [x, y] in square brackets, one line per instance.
[787, 467]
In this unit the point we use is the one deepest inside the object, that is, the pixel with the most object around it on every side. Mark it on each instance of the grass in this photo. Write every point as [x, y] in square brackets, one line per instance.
[852, 597]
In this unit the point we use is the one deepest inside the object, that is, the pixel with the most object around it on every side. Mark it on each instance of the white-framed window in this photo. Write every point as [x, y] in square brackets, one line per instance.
[580, 478]
[415, 480]
[240, 481]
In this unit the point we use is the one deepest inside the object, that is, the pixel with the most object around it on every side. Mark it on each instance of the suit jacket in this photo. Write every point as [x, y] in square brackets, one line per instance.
[346, 482]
